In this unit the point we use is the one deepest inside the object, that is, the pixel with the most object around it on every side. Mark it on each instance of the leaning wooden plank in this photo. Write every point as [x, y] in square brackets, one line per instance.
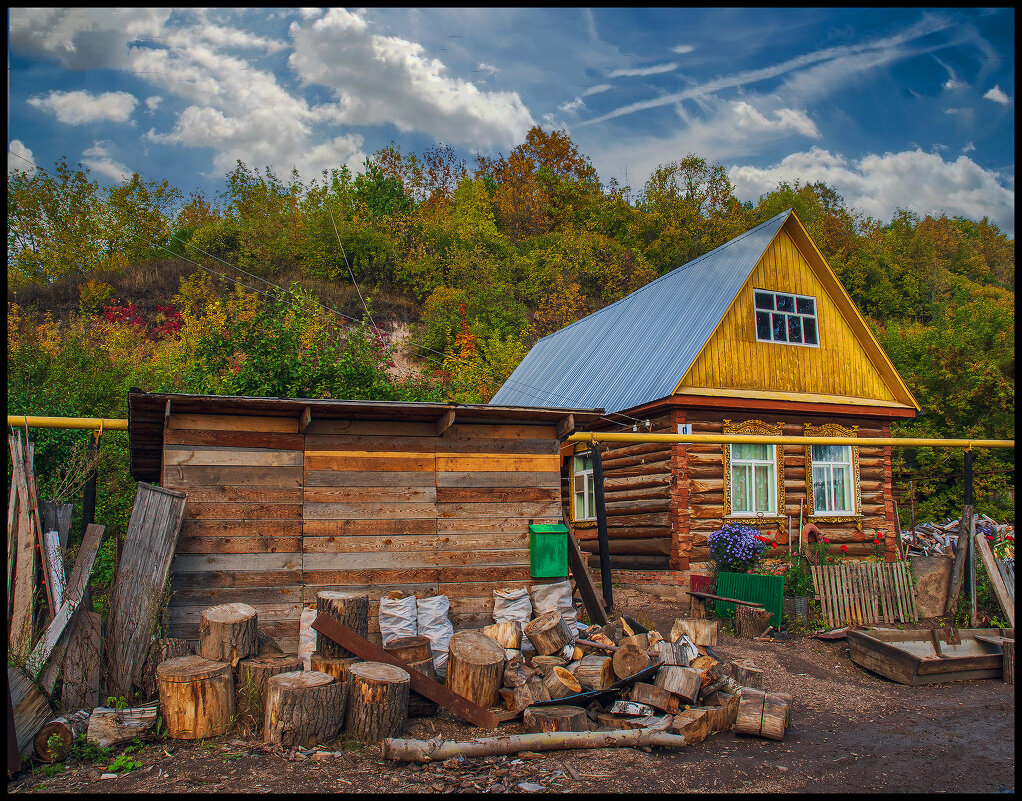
[136, 601]
[51, 605]
[422, 684]
[1000, 590]
[12, 541]
[584, 582]
[438, 750]
[79, 686]
[31, 710]
[25, 571]
[77, 583]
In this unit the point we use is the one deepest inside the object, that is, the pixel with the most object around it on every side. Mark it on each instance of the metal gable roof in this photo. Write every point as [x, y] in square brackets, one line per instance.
[637, 349]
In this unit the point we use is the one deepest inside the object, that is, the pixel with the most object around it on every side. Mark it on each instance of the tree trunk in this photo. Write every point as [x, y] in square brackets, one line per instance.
[747, 674]
[560, 683]
[379, 700]
[629, 660]
[228, 633]
[112, 726]
[751, 622]
[438, 750]
[656, 697]
[475, 666]
[410, 649]
[700, 632]
[656, 722]
[548, 633]
[556, 718]
[348, 608]
[253, 675]
[681, 681]
[763, 714]
[303, 708]
[336, 666]
[508, 634]
[697, 609]
[196, 697]
[595, 671]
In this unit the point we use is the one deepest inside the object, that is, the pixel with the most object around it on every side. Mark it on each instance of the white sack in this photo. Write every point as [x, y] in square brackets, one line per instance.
[306, 638]
[435, 625]
[398, 618]
[512, 604]
[548, 597]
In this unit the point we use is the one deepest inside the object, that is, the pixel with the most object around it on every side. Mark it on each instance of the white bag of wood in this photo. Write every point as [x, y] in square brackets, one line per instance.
[512, 604]
[398, 618]
[548, 597]
[306, 638]
[434, 624]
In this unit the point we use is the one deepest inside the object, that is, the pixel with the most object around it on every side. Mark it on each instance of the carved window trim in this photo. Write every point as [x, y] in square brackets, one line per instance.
[762, 428]
[832, 430]
[581, 449]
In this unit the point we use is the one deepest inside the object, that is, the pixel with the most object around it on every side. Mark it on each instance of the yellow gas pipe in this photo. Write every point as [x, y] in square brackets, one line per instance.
[87, 423]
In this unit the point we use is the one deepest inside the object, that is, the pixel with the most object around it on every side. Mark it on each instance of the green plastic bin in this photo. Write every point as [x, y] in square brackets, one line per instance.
[548, 550]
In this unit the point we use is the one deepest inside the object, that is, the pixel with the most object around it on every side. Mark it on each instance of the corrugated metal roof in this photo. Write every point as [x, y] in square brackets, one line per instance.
[637, 349]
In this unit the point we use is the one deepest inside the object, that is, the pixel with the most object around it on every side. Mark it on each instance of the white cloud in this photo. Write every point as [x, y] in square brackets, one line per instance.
[153, 103]
[15, 164]
[488, 68]
[682, 49]
[572, 106]
[998, 96]
[641, 71]
[99, 159]
[878, 185]
[951, 84]
[389, 80]
[595, 90]
[79, 108]
[751, 120]
[310, 13]
[969, 147]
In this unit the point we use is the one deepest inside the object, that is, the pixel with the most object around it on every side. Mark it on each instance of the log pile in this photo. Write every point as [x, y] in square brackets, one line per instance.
[941, 539]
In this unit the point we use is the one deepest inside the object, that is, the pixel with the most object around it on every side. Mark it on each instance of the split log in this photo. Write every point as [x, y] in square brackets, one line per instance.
[531, 692]
[303, 708]
[378, 705]
[556, 718]
[419, 706]
[629, 660]
[681, 681]
[560, 683]
[751, 622]
[53, 742]
[595, 671]
[336, 666]
[112, 726]
[762, 714]
[516, 673]
[710, 671]
[640, 641]
[548, 633]
[654, 638]
[253, 675]
[747, 674]
[697, 609]
[654, 722]
[656, 697]
[694, 724]
[547, 663]
[439, 750]
[700, 632]
[632, 708]
[508, 633]
[196, 696]
[409, 649]
[475, 666]
[227, 633]
[672, 653]
[350, 609]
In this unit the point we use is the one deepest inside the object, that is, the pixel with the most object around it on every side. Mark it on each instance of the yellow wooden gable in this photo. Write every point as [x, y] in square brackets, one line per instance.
[848, 367]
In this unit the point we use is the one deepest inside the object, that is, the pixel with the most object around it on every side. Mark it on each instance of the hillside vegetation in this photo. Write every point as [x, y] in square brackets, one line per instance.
[253, 292]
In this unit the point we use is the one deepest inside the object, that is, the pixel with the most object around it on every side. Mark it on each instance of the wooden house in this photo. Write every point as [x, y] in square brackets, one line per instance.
[287, 497]
[759, 337]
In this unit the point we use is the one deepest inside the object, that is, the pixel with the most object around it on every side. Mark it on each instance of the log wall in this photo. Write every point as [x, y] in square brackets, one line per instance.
[275, 516]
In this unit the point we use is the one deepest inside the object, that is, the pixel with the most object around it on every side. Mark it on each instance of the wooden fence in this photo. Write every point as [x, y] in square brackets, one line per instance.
[865, 593]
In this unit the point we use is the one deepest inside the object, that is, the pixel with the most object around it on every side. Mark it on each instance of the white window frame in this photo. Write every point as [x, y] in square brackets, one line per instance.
[802, 316]
[588, 493]
[828, 467]
[753, 465]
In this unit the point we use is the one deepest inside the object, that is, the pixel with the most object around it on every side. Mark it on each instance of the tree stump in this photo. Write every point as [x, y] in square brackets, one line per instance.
[378, 705]
[629, 660]
[556, 718]
[410, 649]
[547, 663]
[595, 671]
[762, 714]
[303, 708]
[656, 697]
[700, 632]
[751, 622]
[336, 666]
[548, 633]
[672, 653]
[681, 681]
[508, 633]
[196, 696]
[250, 687]
[747, 674]
[228, 633]
[560, 683]
[694, 724]
[475, 667]
[348, 608]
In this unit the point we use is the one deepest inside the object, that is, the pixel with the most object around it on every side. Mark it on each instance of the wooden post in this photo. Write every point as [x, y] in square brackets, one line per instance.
[964, 540]
[601, 525]
[378, 706]
[303, 708]
[1008, 661]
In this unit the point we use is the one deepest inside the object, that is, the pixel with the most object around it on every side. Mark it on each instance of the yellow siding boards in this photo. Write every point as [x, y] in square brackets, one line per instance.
[732, 359]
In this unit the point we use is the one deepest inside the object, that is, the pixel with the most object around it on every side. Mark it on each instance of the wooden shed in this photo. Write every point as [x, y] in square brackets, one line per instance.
[287, 497]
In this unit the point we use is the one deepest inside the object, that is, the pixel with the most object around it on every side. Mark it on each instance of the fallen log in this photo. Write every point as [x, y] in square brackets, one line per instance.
[111, 726]
[53, 741]
[437, 750]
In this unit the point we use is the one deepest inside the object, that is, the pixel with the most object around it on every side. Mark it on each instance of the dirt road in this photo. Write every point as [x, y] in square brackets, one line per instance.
[851, 731]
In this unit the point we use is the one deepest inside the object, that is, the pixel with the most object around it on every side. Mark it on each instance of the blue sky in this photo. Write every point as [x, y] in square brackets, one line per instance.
[893, 108]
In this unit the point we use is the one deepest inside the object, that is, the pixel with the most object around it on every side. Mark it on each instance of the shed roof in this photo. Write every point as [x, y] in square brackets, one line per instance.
[146, 412]
[637, 349]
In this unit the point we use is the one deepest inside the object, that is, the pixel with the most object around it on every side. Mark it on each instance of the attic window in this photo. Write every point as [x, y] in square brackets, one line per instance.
[781, 317]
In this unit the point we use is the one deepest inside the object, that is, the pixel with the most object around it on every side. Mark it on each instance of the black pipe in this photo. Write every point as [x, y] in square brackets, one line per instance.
[601, 526]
